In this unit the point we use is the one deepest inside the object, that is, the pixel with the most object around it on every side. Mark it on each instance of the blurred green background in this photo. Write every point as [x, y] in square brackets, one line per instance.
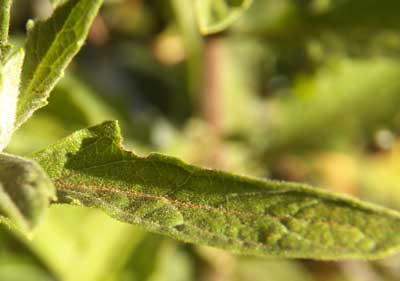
[299, 90]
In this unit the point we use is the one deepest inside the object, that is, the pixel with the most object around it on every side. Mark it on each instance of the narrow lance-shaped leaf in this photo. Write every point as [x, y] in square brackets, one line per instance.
[216, 15]
[5, 7]
[241, 214]
[25, 192]
[50, 47]
[10, 74]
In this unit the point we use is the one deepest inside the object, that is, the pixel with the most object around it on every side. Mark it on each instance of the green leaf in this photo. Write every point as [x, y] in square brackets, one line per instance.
[56, 3]
[216, 15]
[139, 268]
[18, 260]
[5, 7]
[56, 121]
[10, 74]
[65, 240]
[25, 192]
[352, 100]
[192, 204]
[50, 47]
[151, 260]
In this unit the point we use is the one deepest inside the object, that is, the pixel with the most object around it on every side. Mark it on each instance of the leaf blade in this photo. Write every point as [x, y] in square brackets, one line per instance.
[25, 192]
[50, 47]
[216, 15]
[5, 10]
[215, 208]
[10, 74]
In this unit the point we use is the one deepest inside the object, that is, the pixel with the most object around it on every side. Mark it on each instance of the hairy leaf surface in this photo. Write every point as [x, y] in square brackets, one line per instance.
[241, 214]
[25, 191]
[216, 15]
[5, 6]
[10, 74]
[50, 47]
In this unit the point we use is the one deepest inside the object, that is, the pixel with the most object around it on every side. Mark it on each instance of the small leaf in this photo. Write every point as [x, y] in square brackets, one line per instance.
[25, 192]
[50, 47]
[5, 7]
[10, 74]
[192, 204]
[216, 15]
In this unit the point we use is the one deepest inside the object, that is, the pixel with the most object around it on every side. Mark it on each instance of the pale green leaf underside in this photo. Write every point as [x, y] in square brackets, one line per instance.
[10, 73]
[244, 215]
[25, 192]
[216, 15]
[49, 49]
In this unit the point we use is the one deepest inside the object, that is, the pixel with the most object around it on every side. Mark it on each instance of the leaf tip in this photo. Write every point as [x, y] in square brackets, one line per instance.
[30, 24]
[109, 129]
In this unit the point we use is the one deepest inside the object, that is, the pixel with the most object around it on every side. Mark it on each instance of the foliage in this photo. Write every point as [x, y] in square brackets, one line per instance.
[214, 16]
[320, 85]
[90, 168]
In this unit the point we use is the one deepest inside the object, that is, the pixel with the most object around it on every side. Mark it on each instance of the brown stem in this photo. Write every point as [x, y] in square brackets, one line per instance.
[211, 99]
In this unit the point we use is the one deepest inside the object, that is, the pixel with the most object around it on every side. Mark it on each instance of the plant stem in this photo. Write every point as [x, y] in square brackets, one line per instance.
[211, 103]
[5, 9]
[211, 98]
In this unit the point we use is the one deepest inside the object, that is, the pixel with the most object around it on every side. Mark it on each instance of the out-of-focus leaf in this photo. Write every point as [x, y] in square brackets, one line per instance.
[151, 261]
[10, 74]
[181, 270]
[357, 27]
[139, 268]
[76, 94]
[19, 262]
[251, 269]
[224, 266]
[56, 121]
[25, 191]
[186, 20]
[346, 101]
[248, 216]
[56, 3]
[65, 240]
[50, 47]
[216, 15]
